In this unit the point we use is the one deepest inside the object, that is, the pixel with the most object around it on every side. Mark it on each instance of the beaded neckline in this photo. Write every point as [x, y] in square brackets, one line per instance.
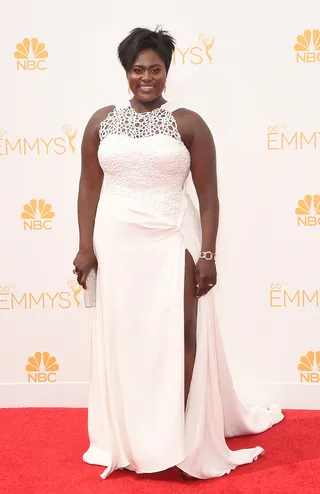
[146, 112]
[125, 120]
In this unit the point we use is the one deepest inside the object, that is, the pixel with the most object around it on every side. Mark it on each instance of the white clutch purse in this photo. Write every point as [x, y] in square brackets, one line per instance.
[90, 294]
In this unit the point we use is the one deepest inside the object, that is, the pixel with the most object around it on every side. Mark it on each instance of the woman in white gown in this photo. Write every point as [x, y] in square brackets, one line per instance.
[161, 394]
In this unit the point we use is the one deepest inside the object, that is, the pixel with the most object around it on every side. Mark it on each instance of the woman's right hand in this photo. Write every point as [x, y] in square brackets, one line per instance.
[84, 261]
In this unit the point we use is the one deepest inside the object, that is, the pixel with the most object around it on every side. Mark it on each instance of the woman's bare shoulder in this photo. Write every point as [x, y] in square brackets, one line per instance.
[188, 122]
[102, 114]
[187, 114]
[98, 116]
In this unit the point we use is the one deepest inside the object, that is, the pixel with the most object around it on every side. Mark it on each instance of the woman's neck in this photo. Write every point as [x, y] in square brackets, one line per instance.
[142, 106]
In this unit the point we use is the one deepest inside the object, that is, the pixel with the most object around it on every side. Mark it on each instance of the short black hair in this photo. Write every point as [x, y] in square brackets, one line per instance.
[141, 39]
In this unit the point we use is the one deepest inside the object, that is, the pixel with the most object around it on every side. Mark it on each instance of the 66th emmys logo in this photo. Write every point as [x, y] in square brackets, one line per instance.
[281, 296]
[281, 139]
[42, 368]
[31, 55]
[13, 299]
[37, 215]
[308, 210]
[309, 367]
[308, 46]
[23, 146]
[196, 54]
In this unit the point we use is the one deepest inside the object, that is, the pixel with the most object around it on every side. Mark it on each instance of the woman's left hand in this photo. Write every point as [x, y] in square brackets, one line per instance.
[206, 276]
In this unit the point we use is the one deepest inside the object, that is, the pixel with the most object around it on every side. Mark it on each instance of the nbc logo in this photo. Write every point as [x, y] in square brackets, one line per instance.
[309, 211]
[195, 54]
[31, 55]
[308, 46]
[41, 368]
[309, 367]
[37, 215]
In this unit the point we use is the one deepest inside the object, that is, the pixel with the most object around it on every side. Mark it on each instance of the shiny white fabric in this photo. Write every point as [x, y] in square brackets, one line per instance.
[145, 221]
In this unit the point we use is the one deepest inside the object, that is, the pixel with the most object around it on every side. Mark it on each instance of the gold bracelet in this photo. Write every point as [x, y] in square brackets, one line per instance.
[207, 255]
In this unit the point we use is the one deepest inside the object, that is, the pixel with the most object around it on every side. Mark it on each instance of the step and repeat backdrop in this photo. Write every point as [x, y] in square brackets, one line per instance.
[252, 71]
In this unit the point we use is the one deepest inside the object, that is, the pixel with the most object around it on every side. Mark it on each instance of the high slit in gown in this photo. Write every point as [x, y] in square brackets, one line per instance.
[145, 222]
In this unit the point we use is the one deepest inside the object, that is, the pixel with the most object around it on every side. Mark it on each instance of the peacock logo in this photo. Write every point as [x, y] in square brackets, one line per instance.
[309, 367]
[31, 55]
[308, 210]
[42, 368]
[196, 54]
[308, 46]
[37, 215]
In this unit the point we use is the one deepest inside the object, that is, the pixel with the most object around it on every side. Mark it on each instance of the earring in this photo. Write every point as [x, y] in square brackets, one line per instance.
[165, 88]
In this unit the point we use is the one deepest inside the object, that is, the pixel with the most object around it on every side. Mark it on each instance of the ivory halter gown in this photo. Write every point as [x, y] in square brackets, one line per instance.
[145, 221]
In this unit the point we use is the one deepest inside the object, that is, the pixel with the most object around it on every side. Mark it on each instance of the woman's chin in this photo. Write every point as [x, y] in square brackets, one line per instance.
[146, 96]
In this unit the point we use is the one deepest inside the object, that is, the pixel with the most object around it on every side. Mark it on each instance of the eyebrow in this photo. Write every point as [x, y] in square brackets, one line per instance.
[142, 66]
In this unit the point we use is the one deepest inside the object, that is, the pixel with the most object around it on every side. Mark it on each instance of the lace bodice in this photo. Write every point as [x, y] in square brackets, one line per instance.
[126, 121]
[142, 156]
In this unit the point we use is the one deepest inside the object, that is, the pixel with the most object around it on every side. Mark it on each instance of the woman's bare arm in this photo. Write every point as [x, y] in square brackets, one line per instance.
[204, 175]
[198, 139]
[90, 184]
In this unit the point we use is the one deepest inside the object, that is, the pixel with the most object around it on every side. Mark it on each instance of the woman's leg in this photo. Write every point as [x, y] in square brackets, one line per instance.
[190, 320]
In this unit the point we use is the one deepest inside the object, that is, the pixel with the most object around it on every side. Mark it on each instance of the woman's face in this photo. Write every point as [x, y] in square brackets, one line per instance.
[147, 77]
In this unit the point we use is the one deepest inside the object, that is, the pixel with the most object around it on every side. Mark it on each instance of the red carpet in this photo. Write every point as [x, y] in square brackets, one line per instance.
[41, 453]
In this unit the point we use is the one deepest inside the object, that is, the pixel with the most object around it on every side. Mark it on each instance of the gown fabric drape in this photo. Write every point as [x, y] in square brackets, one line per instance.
[144, 224]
